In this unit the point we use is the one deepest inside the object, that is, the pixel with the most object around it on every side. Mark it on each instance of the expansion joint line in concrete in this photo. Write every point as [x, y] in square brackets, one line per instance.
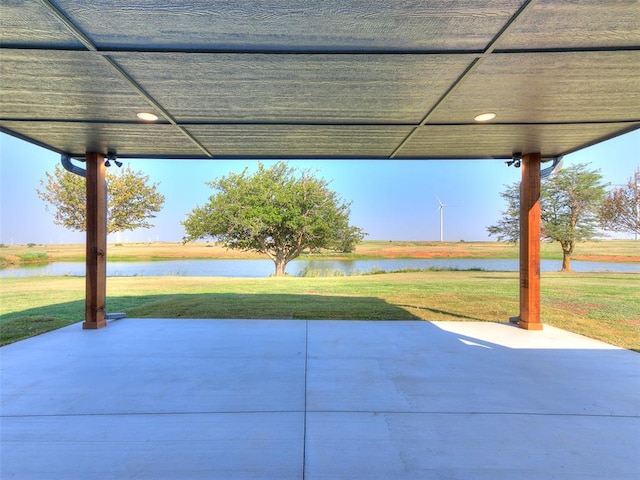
[304, 431]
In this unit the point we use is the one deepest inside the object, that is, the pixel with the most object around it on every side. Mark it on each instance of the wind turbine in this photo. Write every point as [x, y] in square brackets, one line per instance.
[441, 208]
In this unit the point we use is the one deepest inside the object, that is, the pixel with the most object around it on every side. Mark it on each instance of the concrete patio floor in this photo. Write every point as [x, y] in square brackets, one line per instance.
[270, 399]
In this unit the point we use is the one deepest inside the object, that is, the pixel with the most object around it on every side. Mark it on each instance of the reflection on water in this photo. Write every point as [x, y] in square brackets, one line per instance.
[264, 268]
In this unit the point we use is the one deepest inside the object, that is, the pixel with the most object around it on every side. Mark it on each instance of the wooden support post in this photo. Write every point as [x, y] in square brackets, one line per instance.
[530, 243]
[96, 276]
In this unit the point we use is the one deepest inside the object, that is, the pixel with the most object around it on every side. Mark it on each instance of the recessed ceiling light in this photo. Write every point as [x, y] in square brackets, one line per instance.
[485, 117]
[147, 116]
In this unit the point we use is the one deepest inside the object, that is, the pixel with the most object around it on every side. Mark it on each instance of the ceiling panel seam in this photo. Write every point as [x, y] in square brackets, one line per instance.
[530, 51]
[322, 51]
[155, 104]
[223, 123]
[90, 45]
[507, 26]
[474, 64]
[72, 27]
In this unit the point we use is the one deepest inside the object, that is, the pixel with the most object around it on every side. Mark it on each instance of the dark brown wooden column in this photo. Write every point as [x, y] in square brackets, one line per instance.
[530, 243]
[96, 284]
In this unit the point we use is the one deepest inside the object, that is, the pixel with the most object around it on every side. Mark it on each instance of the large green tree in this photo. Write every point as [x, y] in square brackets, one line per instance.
[132, 201]
[620, 210]
[508, 227]
[570, 202]
[278, 211]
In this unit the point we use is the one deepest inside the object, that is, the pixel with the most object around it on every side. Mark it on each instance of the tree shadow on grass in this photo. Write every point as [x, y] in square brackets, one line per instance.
[27, 323]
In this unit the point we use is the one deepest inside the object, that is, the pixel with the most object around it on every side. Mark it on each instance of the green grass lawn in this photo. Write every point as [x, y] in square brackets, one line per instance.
[604, 306]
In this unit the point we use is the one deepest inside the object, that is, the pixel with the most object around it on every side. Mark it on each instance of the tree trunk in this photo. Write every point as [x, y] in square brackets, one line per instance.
[567, 250]
[281, 264]
[566, 261]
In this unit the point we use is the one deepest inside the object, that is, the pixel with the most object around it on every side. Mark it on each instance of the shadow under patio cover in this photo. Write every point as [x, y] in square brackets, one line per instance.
[340, 79]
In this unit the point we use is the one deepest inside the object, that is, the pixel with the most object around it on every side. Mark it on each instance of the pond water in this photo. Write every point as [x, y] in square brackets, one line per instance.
[265, 268]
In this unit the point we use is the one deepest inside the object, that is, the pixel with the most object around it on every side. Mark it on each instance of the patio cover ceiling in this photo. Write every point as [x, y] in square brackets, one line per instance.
[374, 79]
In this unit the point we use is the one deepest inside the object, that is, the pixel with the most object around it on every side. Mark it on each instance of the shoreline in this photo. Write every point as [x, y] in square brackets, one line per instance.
[611, 251]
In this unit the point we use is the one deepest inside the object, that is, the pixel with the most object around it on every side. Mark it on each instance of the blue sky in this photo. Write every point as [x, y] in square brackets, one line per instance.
[391, 200]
